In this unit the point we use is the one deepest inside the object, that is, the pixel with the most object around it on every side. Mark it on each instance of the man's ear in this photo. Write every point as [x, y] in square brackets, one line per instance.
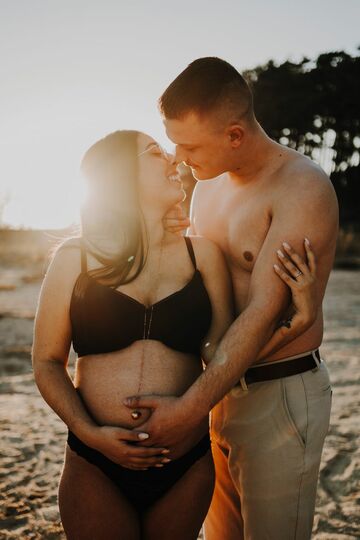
[235, 134]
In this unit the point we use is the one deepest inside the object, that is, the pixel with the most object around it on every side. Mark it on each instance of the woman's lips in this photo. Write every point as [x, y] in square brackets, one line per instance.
[176, 179]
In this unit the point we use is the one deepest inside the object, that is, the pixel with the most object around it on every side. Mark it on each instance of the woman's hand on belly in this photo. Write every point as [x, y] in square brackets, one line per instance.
[169, 425]
[120, 445]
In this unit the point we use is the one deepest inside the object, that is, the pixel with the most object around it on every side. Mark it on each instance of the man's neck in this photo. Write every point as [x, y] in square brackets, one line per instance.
[256, 152]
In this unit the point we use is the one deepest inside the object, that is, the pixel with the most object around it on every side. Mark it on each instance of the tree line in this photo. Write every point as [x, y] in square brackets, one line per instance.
[313, 106]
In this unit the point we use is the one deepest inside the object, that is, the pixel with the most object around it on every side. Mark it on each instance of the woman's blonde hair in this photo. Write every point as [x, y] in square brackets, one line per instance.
[112, 224]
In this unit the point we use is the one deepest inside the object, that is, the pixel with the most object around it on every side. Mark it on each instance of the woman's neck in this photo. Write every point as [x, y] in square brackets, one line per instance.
[155, 233]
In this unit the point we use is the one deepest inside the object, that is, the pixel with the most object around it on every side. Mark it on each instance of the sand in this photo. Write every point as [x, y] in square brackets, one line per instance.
[33, 438]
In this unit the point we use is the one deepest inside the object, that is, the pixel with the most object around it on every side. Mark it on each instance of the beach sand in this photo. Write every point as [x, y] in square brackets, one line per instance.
[33, 438]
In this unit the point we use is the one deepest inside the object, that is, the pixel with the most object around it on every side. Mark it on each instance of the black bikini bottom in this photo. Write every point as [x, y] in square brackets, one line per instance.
[141, 488]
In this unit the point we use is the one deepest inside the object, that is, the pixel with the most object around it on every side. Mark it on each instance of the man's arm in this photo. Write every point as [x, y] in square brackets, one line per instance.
[307, 212]
[307, 209]
[304, 304]
[175, 221]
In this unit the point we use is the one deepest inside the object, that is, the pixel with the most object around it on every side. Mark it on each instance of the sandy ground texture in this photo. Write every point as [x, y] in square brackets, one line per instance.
[33, 438]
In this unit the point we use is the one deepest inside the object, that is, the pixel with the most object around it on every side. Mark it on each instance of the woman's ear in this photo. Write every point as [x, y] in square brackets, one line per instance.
[236, 135]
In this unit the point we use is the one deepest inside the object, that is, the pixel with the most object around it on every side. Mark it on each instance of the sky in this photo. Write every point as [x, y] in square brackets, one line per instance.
[72, 71]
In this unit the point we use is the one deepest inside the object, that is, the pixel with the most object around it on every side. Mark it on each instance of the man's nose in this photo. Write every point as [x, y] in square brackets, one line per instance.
[179, 155]
[171, 158]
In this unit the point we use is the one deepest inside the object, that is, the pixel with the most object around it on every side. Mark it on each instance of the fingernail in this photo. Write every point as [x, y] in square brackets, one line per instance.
[286, 245]
[276, 267]
[166, 451]
[159, 465]
[280, 253]
[307, 241]
[165, 460]
[143, 436]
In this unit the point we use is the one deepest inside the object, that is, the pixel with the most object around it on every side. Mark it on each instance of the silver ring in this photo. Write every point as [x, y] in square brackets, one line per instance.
[298, 273]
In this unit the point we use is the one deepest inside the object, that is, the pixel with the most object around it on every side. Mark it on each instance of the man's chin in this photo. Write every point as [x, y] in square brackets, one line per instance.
[200, 175]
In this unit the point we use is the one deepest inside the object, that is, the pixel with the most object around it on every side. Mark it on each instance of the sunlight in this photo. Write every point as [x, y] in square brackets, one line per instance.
[44, 188]
[53, 208]
[41, 185]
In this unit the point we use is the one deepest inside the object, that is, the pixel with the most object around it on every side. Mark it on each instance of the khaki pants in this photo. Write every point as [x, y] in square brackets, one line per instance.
[267, 442]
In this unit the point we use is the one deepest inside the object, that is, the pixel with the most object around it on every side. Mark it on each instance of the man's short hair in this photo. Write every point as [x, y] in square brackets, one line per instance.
[208, 85]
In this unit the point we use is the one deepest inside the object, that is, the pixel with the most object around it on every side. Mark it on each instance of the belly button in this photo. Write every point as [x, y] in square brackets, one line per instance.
[135, 414]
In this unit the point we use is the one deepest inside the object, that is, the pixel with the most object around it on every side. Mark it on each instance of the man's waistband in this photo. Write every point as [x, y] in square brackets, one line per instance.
[281, 368]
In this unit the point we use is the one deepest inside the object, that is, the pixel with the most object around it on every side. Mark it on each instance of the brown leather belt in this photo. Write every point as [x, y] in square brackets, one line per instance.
[277, 370]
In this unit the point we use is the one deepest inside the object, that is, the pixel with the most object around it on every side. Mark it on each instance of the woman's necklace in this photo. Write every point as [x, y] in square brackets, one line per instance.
[148, 317]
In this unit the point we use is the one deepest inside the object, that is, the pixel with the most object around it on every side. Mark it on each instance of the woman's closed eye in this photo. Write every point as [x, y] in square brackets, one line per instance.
[161, 153]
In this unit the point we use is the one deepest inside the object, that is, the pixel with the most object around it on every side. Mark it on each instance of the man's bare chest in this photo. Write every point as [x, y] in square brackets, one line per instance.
[238, 224]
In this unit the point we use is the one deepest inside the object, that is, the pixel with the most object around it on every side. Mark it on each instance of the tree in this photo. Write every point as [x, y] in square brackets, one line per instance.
[313, 107]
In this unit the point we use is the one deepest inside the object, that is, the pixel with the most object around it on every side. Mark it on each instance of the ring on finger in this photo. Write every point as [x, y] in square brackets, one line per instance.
[298, 273]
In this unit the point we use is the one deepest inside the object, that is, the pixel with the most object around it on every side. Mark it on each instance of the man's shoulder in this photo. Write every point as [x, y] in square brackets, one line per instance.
[300, 175]
[305, 193]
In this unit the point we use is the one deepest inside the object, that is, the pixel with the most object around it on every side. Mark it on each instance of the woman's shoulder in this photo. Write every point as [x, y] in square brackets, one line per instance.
[66, 258]
[72, 242]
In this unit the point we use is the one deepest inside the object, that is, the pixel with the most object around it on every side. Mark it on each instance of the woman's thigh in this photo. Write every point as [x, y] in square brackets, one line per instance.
[179, 514]
[91, 506]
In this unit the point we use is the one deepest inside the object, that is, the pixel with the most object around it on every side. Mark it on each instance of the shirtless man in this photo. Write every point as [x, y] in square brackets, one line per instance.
[252, 193]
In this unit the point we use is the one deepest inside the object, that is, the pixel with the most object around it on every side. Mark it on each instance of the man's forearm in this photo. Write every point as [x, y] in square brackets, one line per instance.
[238, 350]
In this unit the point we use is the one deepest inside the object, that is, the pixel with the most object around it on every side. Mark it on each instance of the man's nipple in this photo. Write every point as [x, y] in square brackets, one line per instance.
[248, 256]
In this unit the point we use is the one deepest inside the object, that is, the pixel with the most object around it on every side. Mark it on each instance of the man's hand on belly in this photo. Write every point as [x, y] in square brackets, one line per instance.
[169, 425]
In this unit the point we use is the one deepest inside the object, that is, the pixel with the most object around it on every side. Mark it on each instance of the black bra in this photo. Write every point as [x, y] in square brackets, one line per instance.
[104, 319]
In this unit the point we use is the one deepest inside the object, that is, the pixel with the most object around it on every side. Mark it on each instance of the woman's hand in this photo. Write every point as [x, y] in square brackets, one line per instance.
[119, 445]
[170, 425]
[301, 278]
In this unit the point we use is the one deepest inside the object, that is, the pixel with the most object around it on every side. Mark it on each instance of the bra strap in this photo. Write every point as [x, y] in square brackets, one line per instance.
[190, 249]
[83, 257]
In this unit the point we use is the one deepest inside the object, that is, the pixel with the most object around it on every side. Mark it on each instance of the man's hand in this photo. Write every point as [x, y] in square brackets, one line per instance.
[170, 425]
[175, 221]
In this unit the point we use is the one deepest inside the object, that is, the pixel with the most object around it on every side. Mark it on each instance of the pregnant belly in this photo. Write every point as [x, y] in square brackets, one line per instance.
[146, 367]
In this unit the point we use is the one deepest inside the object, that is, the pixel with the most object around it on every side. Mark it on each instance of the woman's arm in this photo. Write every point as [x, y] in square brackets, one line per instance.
[303, 290]
[52, 339]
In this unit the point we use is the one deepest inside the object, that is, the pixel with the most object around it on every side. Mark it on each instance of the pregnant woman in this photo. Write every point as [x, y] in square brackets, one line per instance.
[142, 308]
